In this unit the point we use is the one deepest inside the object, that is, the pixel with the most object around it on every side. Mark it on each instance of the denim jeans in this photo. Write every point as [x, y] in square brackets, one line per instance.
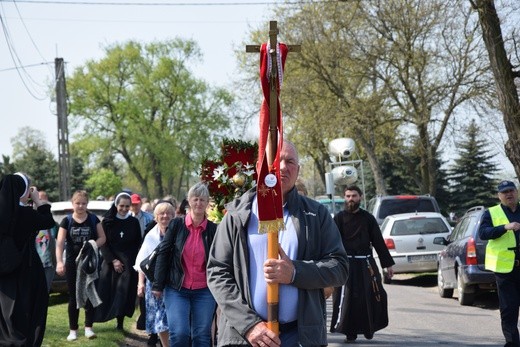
[290, 338]
[189, 313]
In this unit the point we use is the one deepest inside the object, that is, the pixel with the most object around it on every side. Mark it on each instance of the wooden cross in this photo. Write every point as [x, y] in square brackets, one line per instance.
[271, 149]
[273, 95]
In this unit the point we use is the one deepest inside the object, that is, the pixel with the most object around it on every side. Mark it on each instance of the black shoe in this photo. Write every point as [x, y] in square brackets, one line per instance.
[140, 324]
[351, 338]
[368, 336]
[120, 321]
[152, 340]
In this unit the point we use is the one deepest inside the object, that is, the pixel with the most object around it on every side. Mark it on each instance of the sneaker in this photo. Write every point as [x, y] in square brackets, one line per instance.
[73, 336]
[90, 334]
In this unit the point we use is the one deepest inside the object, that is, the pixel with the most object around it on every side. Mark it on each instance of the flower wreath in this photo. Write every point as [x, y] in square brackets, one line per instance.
[230, 176]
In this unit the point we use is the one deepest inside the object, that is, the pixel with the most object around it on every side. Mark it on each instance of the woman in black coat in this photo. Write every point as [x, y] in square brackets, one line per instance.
[180, 273]
[23, 292]
[117, 279]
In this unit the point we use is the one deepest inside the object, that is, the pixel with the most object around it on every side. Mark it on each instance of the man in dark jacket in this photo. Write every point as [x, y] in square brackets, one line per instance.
[501, 226]
[311, 259]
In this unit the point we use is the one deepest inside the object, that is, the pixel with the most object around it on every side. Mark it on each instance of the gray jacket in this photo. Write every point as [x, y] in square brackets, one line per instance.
[321, 262]
[86, 280]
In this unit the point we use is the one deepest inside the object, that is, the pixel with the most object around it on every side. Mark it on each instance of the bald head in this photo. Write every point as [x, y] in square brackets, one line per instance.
[289, 166]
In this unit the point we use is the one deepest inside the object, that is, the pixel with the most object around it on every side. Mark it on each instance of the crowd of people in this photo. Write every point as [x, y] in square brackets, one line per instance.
[210, 281]
[200, 266]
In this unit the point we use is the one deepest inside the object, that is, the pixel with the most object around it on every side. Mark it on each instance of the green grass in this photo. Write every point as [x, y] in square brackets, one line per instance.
[58, 327]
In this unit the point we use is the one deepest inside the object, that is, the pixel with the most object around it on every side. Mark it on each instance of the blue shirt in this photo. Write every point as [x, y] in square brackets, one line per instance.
[144, 218]
[257, 245]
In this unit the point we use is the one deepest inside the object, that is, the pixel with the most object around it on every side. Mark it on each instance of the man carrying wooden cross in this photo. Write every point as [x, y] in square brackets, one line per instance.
[309, 252]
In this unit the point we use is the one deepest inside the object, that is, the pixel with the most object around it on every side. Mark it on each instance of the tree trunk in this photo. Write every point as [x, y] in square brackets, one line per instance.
[504, 77]
[379, 178]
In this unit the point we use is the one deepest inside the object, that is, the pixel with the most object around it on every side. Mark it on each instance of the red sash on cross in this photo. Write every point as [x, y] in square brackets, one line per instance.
[269, 191]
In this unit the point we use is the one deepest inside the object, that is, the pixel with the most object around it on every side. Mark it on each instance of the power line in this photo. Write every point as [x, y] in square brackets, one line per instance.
[150, 21]
[109, 3]
[30, 36]
[26, 66]
[17, 61]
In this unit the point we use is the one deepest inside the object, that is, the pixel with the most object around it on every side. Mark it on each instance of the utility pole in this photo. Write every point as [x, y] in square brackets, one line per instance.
[63, 130]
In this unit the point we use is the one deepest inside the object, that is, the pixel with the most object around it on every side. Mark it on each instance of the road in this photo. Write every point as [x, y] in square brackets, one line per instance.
[418, 316]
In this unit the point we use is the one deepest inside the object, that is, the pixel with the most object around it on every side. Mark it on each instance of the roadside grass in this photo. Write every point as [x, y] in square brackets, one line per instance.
[58, 327]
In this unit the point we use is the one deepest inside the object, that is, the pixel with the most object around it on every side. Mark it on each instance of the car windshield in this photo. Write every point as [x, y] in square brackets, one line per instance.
[339, 204]
[398, 206]
[419, 226]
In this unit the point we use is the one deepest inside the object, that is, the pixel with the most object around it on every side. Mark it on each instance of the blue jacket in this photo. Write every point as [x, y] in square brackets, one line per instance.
[321, 262]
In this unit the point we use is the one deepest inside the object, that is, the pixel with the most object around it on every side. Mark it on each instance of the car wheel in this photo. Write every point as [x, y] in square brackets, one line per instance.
[443, 292]
[465, 298]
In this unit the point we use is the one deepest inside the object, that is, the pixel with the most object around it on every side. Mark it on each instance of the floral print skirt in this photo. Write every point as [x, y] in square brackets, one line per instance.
[156, 321]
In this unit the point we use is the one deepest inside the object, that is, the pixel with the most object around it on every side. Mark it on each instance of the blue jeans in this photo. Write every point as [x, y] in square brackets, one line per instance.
[290, 338]
[189, 313]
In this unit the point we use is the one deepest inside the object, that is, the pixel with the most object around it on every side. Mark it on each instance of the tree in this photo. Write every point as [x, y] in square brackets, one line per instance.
[141, 105]
[382, 72]
[79, 176]
[431, 65]
[472, 177]
[103, 182]
[31, 156]
[505, 72]
[25, 138]
[6, 167]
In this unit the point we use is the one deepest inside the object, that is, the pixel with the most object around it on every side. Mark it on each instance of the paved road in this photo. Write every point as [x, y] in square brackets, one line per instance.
[420, 317]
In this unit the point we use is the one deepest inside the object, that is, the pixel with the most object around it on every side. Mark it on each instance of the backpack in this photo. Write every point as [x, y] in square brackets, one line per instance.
[92, 220]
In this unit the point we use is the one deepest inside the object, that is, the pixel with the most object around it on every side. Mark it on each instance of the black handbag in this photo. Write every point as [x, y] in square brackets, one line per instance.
[147, 265]
[10, 256]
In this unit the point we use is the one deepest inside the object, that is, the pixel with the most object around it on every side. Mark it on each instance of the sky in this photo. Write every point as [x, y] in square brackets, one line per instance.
[39, 31]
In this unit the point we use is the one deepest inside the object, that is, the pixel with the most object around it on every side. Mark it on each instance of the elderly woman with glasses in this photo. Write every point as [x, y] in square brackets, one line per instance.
[156, 320]
[180, 273]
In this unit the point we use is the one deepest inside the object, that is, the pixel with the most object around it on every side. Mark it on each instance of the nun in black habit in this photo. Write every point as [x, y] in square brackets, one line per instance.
[23, 291]
[117, 284]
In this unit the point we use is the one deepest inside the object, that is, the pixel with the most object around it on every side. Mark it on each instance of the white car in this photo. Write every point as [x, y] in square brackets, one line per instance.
[62, 208]
[409, 238]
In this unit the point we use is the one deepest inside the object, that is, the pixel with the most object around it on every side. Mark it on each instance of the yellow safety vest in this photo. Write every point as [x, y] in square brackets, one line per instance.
[500, 252]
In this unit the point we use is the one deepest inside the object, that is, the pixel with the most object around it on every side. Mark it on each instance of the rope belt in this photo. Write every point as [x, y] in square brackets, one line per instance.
[359, 256]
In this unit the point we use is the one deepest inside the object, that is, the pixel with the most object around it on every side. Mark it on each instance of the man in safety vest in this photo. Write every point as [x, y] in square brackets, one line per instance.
[500, 225]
